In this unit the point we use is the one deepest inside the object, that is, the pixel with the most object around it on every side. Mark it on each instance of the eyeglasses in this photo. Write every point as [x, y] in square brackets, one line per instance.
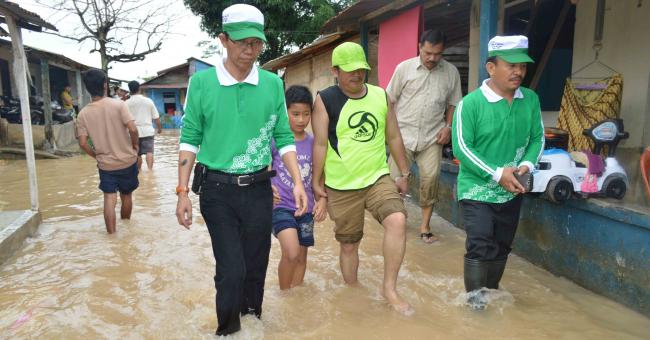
[255, 44]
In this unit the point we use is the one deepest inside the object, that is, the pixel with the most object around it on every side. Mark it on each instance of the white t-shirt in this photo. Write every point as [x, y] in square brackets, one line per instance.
[144, 111]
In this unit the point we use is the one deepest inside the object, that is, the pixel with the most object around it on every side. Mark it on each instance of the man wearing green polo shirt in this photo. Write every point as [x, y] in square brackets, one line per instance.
[497, 135]
[352, 123]
[232, 112]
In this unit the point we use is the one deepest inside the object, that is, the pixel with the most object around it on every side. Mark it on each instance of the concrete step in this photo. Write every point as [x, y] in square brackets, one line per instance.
[15, 227]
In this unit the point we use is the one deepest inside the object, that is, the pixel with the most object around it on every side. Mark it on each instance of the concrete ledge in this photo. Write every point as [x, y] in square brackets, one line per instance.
[15, 227]
[601, 245]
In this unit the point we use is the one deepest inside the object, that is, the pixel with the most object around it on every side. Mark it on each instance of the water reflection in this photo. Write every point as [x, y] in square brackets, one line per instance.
[153, 279]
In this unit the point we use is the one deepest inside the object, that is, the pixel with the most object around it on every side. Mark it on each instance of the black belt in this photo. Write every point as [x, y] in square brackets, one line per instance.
[240, 180]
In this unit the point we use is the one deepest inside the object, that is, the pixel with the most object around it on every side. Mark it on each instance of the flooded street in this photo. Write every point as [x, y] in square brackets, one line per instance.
[153, 279]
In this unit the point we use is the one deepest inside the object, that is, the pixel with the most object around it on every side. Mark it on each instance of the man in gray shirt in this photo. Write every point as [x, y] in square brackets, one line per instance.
[424, 91]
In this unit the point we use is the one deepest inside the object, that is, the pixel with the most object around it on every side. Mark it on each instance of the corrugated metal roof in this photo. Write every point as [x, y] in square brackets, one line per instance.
[353, 13]
[25, 18]
[312, 49]
[33, 52]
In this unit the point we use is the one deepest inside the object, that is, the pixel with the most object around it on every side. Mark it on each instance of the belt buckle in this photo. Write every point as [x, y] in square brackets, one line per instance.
[239, 178]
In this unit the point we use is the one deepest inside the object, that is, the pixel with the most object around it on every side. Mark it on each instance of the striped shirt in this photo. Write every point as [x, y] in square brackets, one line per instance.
[489, 134]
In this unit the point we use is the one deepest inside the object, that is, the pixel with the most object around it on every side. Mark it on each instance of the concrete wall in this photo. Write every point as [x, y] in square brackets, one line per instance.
[64, 135]
[626, 48]
[597, 243]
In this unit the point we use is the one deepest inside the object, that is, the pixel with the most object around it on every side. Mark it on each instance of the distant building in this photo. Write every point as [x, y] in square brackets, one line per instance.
[49, 73]
[169, 88]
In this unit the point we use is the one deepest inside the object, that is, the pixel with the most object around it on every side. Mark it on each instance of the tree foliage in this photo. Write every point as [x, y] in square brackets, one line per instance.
[120, 30]
[288, 24]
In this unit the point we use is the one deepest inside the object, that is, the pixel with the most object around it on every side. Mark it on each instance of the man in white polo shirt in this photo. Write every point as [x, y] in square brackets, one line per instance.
[144, 111]
[232, 112]
[498, 137]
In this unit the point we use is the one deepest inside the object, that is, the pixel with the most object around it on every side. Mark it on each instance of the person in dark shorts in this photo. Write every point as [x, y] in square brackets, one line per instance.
[145, 113]
[115, 146]
[295, 233]
[146, 148]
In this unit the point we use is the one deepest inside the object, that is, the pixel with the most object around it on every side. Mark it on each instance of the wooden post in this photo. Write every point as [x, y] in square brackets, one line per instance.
[47, 101]
[488, 19]
[80, 89]
[549, 45]
[20, 74]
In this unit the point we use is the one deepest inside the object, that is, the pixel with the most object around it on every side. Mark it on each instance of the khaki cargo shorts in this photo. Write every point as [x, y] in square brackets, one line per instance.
[347, 207]
[428, 162]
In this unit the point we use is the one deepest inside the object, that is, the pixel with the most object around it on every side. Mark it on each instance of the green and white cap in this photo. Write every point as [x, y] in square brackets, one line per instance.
[512, 48]
[243, 21]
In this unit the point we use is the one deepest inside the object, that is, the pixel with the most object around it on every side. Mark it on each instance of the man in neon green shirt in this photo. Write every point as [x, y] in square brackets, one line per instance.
[232, 112]
[352, 124]
[497, 134]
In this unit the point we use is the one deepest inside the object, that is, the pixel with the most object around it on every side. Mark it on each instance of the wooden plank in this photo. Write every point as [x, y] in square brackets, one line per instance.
[80, 89]
[20, 76]
[549, 44]
[47, 108]
[534, 9]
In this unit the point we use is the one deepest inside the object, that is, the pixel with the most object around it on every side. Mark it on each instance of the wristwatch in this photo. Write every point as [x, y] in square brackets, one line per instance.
[447, 125]
[180, 189]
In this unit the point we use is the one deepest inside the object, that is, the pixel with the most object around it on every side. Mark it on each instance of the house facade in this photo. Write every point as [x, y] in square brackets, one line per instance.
[169, 88]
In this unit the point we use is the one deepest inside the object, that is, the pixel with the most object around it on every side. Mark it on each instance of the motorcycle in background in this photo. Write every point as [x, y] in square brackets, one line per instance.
[11, 111]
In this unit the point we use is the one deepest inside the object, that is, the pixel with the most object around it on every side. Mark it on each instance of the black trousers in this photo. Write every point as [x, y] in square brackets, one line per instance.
[490, 228]
[239, 222]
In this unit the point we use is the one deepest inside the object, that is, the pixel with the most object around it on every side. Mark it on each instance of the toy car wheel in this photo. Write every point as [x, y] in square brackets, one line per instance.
[614, 187]
[559, 189]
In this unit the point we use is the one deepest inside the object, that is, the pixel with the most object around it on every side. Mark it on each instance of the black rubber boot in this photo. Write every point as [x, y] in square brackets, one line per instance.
[476, 275]
[495, 272]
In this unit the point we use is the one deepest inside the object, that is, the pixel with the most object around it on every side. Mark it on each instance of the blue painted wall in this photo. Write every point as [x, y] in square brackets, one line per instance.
[199, 65]
[602, 246]
[157, 96]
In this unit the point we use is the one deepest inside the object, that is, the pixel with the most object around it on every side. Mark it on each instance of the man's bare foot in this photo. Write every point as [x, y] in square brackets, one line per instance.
[428, 237]
[397, 303]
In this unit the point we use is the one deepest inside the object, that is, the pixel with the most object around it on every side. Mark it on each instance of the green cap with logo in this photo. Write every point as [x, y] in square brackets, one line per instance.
[349, 57]
[513, 49]
[241, 21]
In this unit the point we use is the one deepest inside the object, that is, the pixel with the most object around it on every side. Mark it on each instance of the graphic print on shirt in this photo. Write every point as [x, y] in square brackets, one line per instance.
[255, 155]
[493, 190]
[356, 155]
[367, 125]
[304, 164]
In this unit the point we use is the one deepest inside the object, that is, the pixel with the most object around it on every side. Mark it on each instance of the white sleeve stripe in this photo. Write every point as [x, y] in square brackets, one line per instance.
[286, 149]
[187, 95]
[541, 121]
[188, 147]
[472, 157]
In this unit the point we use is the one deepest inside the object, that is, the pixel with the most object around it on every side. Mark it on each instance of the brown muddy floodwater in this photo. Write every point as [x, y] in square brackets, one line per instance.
[153, 279]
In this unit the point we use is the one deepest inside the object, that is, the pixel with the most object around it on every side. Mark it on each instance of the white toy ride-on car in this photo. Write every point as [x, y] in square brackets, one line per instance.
[559, 176]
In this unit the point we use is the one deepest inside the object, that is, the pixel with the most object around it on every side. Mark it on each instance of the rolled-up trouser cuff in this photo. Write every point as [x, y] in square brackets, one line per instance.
[349, 238]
